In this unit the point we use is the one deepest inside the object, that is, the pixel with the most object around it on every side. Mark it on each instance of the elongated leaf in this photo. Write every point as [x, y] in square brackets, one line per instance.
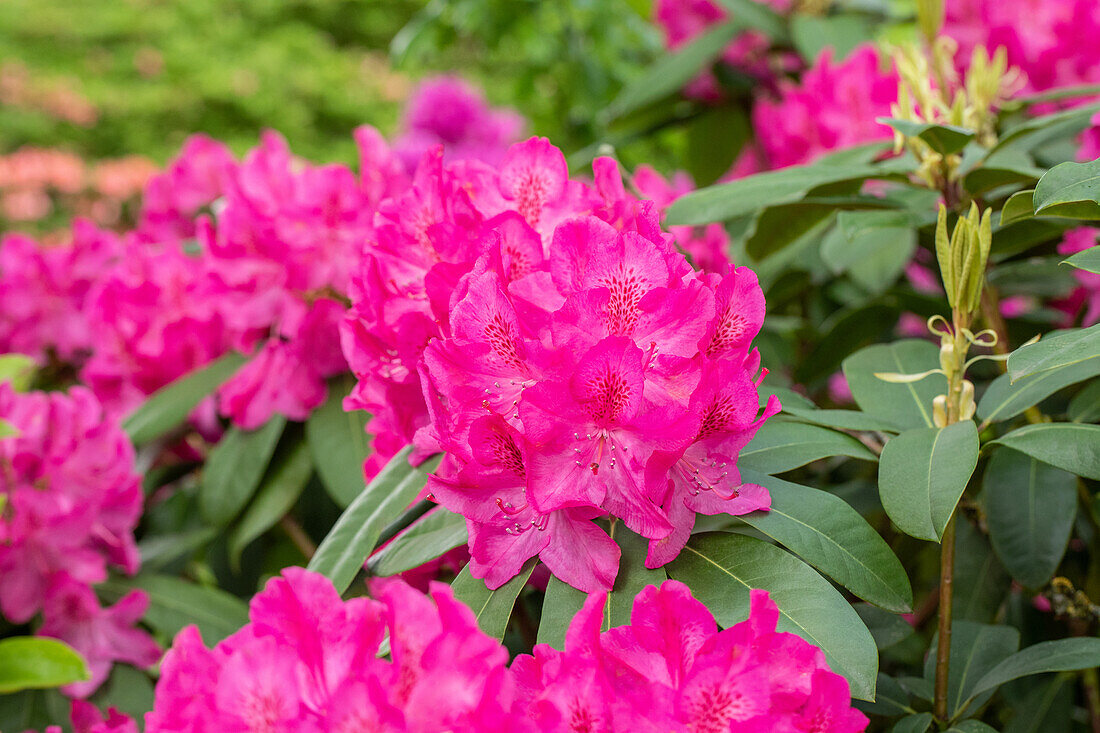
[918, 723]
[559, 606]
[1063, 655]
[781, 445]
[812, 34]
[922, 474]
[975, 650]
[873, 247]
[971, 726]
[828, 534]
[729, 200]
[1018, 207]
[672, 71]
[1085, 405]
[1072, 447]
[1070, 183]
[169, 407]
[280, 489]
[434, 534]
[1046, 708]
[981, 582]
[339, 445]
[758, 17]
[1005, 399]
[493, 608]
[1055, 350]
[158, 550]
[886, 628]
[891, 699]
[632, 578]
[944, 139]
[128, 690]
[841, 419]
[1088, 260]
[991, 176]
[1030, 508]
[352, 540]
[722, 569]
[37, 662]
[18, 369]
[175, 603]
[234, 469]
[904, 405]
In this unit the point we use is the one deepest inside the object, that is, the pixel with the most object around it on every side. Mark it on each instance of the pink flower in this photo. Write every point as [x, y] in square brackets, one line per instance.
[72, 496]
[708, 247]
[87, 719]
[199, 175]
[834, 106]
[448, 111]
[102, 636]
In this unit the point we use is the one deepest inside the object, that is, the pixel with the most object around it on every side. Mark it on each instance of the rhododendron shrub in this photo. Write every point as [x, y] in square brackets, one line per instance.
[310, 661]
[71, 499]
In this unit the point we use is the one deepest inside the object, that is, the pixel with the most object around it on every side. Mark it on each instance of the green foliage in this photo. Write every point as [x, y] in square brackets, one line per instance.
[31, 662]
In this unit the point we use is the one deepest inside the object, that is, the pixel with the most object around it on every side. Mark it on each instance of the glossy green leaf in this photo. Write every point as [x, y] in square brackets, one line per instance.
[975, 650]
[782, 445]
[434, 534]
[971, 726]
[672, 71]
[903, 405]
[281, 486]
[37, 662]
[339, 444]
[841, 334]
[1088, 260]
[722, 569]
[1085, 405]
[492, 608]
[168, 407]
[944, 139]
[1062, 655]
[1072, 447]
[891, 699]
[17, 369]
[1018, 207]
[1029, 508]
[175, 603]
[918, 723]
[1046, 708]
[981, 582]
[1056, 350]
[990, 176]
[1076, 184]
[633, 576]
[779, 227]
[840, 419]
[234, 468]
[159, 550]
[729, 200]
[873, 247]
[886, 628]
[560, 604]
[1005, 399]
[831, 536]
[922, 474]
[351, 541]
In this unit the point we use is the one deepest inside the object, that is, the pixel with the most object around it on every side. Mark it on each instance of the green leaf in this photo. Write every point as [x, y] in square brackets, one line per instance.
[1018, 207]
[159, 550]
[991, 176]
[1085, 405]
[981, 582]
[673, 70]
[944, 139]
[560, 604]
[33, 709]
[812, 34]
[873, 247]
[1046, 708]
[1071, 447]
[1005, 399]
[7, 429]
[492, 608]
[128, 689]
[175, 603]
[923, 472]
[282, 485]
[903, 405]
[633, 576]
[841, 419]
[1055, 350]
[975, 650]
[782, 445]
[168, 408]
[971, 726]
[1063, 655]
[1070, 189]
[831, 536]
[721, 569]
[1029, 507]
[234, 468]
[434, 534]
[1088, 260]
[38, 662]
[886, 628]
[339, 444]
[759, 17]
[917, 723]
[779, 227]
[351, 541]
[729, 200]
[18, 369]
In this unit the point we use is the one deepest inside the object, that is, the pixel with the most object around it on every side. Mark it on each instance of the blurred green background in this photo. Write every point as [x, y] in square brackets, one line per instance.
[106, 78]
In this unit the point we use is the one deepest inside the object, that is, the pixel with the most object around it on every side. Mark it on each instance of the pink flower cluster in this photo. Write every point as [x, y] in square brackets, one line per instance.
[572, 363]
[309, 661]
[71, 500]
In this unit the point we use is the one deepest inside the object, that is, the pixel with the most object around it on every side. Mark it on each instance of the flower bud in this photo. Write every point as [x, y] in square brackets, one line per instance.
[939, 411]
[966, 400]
